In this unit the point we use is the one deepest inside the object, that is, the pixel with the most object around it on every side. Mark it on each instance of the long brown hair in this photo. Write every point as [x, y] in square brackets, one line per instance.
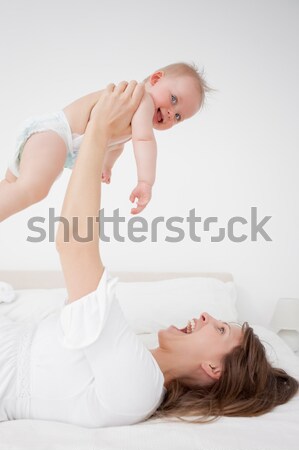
[248, 386]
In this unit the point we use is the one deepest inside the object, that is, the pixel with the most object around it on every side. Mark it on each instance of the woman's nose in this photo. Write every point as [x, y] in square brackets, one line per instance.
[205, 317]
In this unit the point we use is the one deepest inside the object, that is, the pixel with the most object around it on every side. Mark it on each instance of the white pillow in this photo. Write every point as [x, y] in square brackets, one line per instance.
[279, 353]
[150, 306]
[33, 303]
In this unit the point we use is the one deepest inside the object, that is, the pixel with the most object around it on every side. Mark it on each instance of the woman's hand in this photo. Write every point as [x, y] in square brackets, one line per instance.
[112, 114]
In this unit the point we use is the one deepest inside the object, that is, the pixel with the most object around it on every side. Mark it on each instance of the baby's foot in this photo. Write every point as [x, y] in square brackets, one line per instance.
[106, 176]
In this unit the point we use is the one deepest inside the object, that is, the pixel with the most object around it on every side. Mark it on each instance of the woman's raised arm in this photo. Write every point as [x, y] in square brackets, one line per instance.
[77, 238]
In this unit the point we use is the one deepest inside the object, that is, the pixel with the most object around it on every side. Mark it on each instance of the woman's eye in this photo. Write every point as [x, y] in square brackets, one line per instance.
[174, 99]
[222, 330]
[177, 117]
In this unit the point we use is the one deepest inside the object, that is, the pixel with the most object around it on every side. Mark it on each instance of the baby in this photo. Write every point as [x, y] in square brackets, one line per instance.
[48, 143]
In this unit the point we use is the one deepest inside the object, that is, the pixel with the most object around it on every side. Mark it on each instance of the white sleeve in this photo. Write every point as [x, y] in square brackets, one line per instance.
[83, 319]
[128, 380]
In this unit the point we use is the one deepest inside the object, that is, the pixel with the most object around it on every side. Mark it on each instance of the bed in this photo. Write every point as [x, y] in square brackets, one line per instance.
[151, 301]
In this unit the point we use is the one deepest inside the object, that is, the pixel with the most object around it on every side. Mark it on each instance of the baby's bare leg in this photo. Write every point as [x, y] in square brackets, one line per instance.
[110, 157]
[42, 160]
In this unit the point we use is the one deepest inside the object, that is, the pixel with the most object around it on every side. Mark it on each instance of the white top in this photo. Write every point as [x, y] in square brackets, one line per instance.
[82, 365]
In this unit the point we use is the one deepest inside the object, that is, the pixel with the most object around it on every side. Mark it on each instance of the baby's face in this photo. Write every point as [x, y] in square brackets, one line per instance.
[175, 98]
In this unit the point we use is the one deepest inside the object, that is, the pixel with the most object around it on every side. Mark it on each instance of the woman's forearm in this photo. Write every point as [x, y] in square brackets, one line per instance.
[82, 200]
[77, 238]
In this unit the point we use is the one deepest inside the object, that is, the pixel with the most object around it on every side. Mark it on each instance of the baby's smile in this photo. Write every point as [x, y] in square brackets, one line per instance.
[159, 116]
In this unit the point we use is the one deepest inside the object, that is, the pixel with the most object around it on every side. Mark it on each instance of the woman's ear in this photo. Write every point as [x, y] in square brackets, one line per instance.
[156, 76]
[212, 370]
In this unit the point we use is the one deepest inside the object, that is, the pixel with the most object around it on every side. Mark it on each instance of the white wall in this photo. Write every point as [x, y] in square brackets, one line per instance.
[240, 151]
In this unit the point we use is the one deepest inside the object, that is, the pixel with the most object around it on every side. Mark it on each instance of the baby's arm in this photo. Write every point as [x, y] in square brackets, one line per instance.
[110, 157]
[145, 150]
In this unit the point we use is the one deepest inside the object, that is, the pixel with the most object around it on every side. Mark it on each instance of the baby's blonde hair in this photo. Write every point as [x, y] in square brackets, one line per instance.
[190, 70]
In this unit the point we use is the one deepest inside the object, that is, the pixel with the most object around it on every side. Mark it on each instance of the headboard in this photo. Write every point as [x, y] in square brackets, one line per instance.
[23, 279]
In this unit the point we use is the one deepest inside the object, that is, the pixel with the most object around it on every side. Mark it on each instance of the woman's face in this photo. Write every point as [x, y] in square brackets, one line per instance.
[200, 347]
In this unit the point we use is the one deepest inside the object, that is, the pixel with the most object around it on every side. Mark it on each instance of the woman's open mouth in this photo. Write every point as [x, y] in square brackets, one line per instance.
[190, 327]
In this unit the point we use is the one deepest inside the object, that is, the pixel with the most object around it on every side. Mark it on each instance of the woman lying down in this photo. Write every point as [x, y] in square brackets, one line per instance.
[85, 366]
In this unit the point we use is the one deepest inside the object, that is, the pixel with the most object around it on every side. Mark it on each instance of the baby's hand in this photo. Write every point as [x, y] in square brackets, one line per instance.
[143, 194]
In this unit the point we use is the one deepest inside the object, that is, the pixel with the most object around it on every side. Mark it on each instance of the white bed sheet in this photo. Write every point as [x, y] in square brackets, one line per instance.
[277, 430]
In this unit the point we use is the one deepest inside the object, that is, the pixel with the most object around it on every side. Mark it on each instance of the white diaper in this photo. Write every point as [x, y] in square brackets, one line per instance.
[55, 121]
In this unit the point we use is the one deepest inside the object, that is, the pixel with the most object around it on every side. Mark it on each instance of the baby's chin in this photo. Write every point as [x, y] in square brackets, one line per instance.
[158, 126]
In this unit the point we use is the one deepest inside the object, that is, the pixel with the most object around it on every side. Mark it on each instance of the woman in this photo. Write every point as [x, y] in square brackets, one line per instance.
[86, 367]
